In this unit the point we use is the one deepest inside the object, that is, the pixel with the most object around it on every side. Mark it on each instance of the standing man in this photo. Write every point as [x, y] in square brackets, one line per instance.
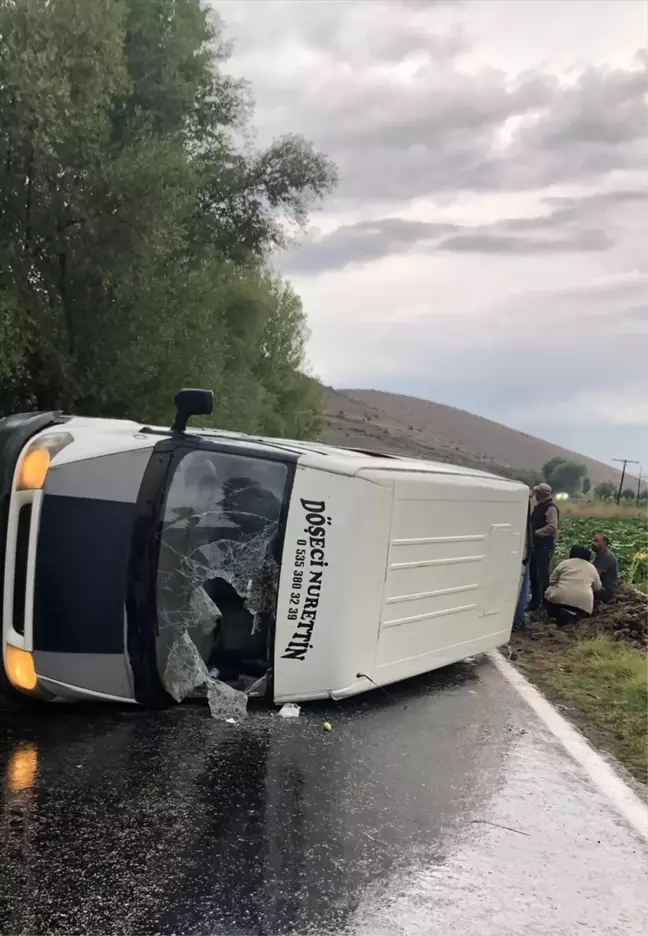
[605, 563]
[544, 527]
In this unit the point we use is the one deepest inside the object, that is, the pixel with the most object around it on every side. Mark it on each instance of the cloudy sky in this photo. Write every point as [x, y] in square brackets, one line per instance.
[487, 245]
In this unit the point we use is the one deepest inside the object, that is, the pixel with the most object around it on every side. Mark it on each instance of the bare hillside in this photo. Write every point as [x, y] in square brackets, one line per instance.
[390, 422]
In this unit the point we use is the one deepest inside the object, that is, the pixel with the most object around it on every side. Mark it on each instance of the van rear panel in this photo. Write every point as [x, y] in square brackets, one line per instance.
[452, 578]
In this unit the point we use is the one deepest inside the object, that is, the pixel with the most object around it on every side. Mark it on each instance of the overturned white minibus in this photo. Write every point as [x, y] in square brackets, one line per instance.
[142, 564]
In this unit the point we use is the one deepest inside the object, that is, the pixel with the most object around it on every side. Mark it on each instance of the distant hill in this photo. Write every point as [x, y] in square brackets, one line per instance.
[406, 425]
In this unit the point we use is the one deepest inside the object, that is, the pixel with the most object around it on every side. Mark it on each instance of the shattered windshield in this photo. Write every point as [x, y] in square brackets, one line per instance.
[218, 571]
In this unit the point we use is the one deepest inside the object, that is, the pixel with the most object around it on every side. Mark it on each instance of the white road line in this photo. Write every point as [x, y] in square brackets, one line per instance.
[604, 777]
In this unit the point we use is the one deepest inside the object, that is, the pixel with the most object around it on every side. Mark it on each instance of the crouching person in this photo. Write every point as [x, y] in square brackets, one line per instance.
[605, 563]
[572, 585]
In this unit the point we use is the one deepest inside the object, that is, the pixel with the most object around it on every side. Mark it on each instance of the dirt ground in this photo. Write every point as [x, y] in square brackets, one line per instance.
[626, 619]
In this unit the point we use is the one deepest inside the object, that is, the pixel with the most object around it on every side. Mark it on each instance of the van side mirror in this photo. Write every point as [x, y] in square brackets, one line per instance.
[191, 403]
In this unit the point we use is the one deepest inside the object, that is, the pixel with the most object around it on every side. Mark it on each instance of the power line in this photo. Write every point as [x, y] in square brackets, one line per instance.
[626, 462]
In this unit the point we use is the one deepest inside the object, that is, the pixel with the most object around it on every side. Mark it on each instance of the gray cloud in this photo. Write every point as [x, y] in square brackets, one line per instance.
[446, 135]
[507, 244]
[427, 5]
[573, 206]
[522, 174]
[447, 127]
[361, 243]
[572, 225]
[348, 33]
[606, 107]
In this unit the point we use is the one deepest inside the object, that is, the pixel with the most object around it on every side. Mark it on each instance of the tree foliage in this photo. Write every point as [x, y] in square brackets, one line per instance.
[605, 491]
[134, 229]
[564, 475]
[549, 467]
[528, 476]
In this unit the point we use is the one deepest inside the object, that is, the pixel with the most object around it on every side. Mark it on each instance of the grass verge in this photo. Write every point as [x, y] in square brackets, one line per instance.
[602, 684]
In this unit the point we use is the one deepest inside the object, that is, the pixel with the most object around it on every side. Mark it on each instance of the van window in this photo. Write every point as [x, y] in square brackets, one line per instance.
[218, 568]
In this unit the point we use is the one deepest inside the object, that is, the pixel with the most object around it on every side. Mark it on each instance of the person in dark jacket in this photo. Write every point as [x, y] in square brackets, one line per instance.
[605, 563]
[544, 528]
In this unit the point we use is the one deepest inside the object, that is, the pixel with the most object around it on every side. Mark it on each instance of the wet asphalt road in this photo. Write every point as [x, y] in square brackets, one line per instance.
[447, 809]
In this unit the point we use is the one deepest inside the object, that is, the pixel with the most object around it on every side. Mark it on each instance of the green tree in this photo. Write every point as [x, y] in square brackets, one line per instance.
[549, 467]
[605, 491]
[564, 475]
[628, 495]
[587, 485]
[133, 229]
[569, 477]
[528, 476]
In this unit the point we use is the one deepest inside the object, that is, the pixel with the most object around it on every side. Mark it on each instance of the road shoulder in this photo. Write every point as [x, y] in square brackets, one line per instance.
[624, 796]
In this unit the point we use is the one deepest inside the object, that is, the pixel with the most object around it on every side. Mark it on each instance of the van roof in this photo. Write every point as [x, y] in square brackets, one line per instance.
[332, 458]
[350, 460]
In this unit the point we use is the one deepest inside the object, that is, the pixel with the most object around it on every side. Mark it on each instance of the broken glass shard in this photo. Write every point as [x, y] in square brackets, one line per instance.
[247, 566]
[226, 702]
[185, 668]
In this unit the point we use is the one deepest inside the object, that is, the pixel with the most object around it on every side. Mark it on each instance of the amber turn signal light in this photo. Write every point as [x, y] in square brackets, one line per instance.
[33, 470]
[19, 667]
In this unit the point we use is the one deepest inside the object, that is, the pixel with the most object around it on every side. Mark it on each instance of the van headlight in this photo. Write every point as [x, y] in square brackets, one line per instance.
[37, 459]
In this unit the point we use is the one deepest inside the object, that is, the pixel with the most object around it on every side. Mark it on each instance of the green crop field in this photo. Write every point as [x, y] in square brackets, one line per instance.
[628, 540]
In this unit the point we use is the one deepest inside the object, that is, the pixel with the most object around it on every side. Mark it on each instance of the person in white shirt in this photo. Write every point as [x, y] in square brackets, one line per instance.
[571, 586]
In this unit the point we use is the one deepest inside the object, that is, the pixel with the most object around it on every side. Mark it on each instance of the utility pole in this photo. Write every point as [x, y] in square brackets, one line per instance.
[626, 462]
[639, 485]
